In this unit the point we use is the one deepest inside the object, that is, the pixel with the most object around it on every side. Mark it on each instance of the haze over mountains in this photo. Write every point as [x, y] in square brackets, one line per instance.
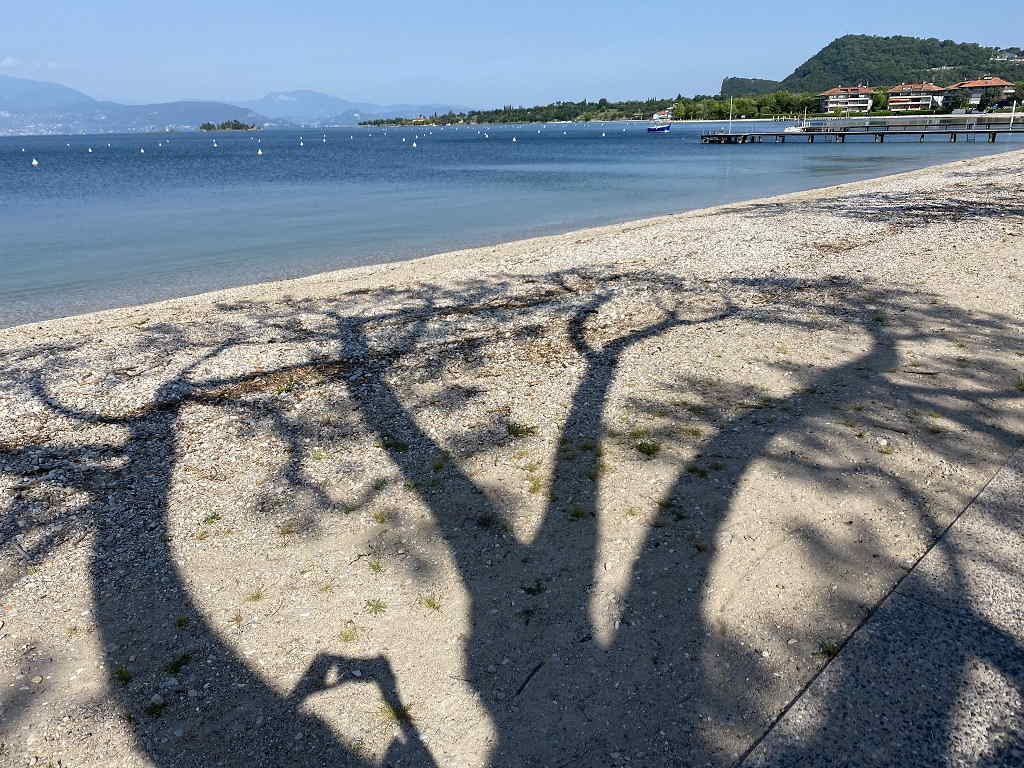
[35, 107]
[313, 106]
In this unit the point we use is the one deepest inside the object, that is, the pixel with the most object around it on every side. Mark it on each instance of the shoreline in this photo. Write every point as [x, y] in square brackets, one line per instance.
[486, 253]
[661, 469]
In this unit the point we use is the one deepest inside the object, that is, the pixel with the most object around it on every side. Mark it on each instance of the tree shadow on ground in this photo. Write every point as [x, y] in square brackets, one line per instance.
[575, 675]
[911, 209]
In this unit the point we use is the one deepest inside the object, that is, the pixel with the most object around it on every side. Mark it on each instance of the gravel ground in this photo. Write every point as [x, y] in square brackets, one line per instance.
[606, 498]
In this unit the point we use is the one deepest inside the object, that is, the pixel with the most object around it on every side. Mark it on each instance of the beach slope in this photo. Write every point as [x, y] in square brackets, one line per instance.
[613, 497]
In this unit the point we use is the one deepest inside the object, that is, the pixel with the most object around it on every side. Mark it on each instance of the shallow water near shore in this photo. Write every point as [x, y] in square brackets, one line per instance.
[147, 217]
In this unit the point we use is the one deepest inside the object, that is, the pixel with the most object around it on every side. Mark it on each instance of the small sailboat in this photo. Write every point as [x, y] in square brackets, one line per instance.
[259, 153]
[142, 151]
[34, 162]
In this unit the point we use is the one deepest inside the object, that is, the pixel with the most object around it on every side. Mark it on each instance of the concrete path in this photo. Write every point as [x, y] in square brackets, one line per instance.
[935, 677]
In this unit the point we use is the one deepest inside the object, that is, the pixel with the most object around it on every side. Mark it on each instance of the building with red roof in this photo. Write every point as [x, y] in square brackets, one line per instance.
[910, 97]
[975, 89]
[846, 98]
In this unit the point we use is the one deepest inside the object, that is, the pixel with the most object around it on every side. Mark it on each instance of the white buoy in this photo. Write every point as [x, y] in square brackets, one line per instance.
[602, 134]
[513, 139]
[34, 162]
[259, 152]
[142, 151]
[302, 144]
[414, 145]
[403, 140]
[90, 150]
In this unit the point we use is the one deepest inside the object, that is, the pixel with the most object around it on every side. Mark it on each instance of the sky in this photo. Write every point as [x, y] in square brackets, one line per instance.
[476, 54]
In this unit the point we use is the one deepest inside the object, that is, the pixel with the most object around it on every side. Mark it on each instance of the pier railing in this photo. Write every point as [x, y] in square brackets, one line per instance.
[954, 130]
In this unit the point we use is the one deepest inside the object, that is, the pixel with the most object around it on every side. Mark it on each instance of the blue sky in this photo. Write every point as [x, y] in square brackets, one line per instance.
[482, 54]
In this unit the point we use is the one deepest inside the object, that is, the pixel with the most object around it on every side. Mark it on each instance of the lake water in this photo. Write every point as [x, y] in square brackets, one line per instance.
[113, 227]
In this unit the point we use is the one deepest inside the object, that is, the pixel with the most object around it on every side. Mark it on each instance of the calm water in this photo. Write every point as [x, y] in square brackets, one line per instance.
[86, 231]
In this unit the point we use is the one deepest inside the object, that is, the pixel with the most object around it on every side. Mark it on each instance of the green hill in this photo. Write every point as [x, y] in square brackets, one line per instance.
[748, 86]
[873, 60]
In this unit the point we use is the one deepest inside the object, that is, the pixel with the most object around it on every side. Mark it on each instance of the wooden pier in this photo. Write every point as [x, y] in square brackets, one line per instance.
[839, 135]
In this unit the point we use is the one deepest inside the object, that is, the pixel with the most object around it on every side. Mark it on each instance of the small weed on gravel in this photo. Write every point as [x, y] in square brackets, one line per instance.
[181, 622]
[348, 634]
[122, 675]
[515, 429]
[649, 448]
[829, 649]
[430, 602]
[376, 566]
[176, 666]
[395, 714]
[392, 444]
[213, 517]
[577, 512]
[376, 607]
[256, 595]
[536, 588]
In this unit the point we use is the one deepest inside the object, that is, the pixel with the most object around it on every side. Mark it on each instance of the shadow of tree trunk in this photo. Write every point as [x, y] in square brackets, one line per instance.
[555, 693]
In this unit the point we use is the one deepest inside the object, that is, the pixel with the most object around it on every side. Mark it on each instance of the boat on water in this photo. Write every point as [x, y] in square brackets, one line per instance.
[659, 128]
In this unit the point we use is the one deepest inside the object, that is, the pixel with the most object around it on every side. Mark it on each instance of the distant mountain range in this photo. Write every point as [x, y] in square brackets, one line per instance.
[316, 107]
[873, 60]
[34, 107]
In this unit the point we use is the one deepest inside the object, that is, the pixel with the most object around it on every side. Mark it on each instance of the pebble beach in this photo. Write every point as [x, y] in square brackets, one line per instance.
[612, 497]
